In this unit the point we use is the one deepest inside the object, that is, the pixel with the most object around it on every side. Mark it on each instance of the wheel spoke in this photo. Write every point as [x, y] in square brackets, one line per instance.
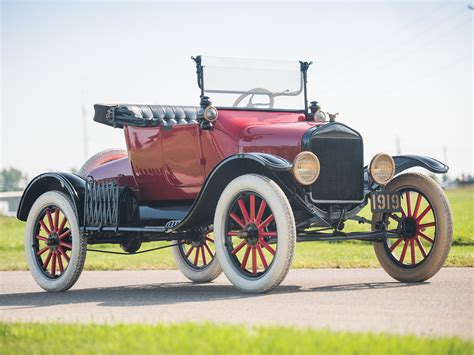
[39, 237]
[60, 263]
[42, 251]
[407, 194]
[63, 223]
[267, 221]
[188, 253]
[404, 251]
[66, 245]
[268, 234]
[203, 253]
[246, 257]
[412, 251]
[48, 258]
[254, 260]
[417, 205]
[423, 214]
[56, 219]
[208, 250]
[261, 210]
[64, 254]
[53, 264]
[427, 225]
[262, 256]
[237, 219]
[394, 245]
[420, 246]
[238, 247]
[424, 236]
[196, 257]
[252, 208]
[268, 247]
[244, 211]
[50, 220]
[210, 240]
[403, 212]
[43, 225]
[65, 234]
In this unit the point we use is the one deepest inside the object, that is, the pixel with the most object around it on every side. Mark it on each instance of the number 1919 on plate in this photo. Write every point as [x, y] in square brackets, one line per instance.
[384, 201]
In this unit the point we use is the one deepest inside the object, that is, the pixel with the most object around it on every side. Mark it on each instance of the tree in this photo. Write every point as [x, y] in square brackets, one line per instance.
[12, 180]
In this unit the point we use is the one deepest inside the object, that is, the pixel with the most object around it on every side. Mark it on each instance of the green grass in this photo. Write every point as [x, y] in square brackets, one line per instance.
[207, 338]
[308, 255]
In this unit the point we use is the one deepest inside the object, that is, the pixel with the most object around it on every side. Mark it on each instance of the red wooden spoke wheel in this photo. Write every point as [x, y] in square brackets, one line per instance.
[198, 254]
[251, 234]
[52, 243]
[417, 223]
[425, 227]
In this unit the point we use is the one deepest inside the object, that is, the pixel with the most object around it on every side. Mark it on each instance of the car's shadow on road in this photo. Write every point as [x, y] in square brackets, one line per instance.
[169, 293]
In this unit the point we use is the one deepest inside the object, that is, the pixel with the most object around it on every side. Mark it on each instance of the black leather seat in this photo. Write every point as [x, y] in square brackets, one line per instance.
[145, 115]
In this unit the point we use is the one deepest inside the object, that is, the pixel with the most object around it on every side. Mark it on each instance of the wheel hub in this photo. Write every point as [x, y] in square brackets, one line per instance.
[53, 241]
[409, 227]
[252, 234]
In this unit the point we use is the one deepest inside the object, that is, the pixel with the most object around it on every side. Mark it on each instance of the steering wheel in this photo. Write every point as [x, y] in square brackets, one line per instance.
[252, 93]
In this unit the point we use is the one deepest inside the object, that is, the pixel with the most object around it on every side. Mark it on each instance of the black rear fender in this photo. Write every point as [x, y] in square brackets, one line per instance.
[72, 185]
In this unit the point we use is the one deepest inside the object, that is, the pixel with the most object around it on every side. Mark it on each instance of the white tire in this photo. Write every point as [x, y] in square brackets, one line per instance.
[103, 157]
[240, 236]
[197, 261]
[54, 247]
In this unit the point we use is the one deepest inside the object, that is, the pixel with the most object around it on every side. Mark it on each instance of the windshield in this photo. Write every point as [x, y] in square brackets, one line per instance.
[253, 84]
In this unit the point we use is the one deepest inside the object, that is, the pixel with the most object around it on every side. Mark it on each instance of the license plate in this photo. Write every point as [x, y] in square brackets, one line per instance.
[383, 201]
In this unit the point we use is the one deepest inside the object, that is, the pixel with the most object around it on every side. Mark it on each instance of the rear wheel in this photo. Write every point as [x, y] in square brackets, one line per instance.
[103, 157]
[54, 248]
[426, 225]
[197, 259]
[255, 233]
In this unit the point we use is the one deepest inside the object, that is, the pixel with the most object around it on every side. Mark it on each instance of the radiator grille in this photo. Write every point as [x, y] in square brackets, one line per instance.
[340, 152]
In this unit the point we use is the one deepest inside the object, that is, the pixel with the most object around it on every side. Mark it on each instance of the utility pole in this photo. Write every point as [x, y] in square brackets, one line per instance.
[397, 143]
[85, 150]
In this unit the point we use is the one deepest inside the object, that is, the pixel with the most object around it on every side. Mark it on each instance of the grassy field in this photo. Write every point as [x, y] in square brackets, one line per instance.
[188, 338]
[308, 255]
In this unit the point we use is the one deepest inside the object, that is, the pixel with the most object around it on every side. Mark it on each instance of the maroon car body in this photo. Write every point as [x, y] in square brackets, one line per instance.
[179, 160]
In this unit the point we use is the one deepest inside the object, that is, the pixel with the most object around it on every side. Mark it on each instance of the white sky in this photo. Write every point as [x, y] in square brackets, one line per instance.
[389, 68]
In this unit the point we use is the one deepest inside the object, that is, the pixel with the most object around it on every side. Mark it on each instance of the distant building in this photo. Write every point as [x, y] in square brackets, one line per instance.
[9, 202]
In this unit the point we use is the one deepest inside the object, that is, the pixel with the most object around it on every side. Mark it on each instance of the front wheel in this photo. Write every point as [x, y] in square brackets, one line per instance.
[255, 233]
[426, 228]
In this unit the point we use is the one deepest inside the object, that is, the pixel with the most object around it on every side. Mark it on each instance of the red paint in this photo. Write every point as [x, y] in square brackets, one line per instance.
[172, 164]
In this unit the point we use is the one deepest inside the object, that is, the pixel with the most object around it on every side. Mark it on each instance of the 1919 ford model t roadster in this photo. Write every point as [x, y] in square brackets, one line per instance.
[234, 187]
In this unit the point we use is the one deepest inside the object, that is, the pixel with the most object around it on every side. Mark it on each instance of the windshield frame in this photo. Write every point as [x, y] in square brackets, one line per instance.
[303, 87]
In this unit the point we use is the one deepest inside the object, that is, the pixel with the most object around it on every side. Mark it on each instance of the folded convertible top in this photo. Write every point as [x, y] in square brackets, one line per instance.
[144, 115]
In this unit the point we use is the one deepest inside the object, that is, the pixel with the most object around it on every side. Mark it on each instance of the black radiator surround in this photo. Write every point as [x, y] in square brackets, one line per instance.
[339, 149]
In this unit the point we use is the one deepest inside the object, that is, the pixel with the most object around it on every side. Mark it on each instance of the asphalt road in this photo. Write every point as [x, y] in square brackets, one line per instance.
[339, 299]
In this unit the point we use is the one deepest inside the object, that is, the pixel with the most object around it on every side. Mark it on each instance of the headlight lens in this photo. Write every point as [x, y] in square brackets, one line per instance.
[210, 113]
[382, 168]
[306, 168]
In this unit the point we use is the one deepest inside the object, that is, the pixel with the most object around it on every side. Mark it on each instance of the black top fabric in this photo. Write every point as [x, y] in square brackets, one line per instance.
[144, 115]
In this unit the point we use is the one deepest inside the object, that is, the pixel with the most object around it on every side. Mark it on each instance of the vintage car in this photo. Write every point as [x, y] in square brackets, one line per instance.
[234, 186]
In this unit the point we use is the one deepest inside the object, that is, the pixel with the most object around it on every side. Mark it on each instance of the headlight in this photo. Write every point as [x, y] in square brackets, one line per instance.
[210, 114]
[306, 168]
[382, 168]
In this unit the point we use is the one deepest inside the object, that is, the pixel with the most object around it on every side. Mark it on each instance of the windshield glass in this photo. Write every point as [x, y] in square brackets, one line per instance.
[253, 84]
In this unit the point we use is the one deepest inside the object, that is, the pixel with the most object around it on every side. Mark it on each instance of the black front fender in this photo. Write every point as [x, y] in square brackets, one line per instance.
[70, 184]
[404, 162]
[203, 208]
